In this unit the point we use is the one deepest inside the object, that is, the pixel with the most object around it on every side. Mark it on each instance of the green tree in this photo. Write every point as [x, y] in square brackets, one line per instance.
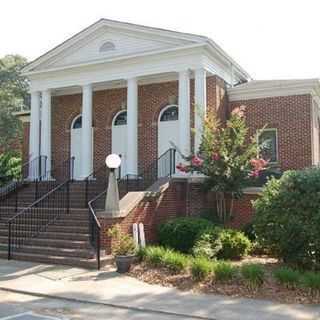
[13, 97]
[228, 158]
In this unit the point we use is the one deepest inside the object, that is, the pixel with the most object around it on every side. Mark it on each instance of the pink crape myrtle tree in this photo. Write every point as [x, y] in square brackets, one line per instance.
[229, 159]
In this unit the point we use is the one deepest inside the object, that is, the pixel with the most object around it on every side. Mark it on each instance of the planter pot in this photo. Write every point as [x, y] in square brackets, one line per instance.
[123, 263]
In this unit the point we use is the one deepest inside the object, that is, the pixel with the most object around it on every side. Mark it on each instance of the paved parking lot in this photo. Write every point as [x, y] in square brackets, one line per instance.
[25, 307]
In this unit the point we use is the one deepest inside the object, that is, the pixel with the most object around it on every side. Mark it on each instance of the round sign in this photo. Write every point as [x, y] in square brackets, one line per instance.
[113, 161]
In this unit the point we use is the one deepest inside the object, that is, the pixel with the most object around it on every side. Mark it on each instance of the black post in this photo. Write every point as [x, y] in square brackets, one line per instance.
[16, 193]
[9, 240]
[86, 197]
[68, 197]
[98, 246]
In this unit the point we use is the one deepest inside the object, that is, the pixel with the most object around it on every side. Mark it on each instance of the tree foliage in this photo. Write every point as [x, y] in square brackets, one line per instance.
[227, 157]
[13, 97]
[287, 217]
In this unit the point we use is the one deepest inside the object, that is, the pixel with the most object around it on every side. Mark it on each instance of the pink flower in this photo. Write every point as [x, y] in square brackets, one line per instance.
[215, 156]
[258, 164]
[196, 161]
[254, 173]
[181, 167]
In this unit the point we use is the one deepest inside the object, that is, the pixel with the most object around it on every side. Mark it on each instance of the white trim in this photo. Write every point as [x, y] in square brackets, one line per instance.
[216, 51]
[274, 88]
[166, 108]
[75, 119]
[277, 143]
[116, 115]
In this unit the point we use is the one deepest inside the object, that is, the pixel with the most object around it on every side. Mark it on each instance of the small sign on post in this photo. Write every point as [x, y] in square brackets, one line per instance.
[135, 234]
[142, 236]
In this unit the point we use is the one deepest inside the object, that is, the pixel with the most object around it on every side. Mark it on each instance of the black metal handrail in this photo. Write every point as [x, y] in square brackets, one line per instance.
[136, 183]
[30, 221]
[95, 182]
[30, 171]
[33, 220]
[164, 166]
[95, 228]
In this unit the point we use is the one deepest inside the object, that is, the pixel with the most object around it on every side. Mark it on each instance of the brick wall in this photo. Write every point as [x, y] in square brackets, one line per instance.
[292, 117]
[106, 103]
[151, 212]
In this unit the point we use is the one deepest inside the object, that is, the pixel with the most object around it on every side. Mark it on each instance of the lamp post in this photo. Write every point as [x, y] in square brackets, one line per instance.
[113, 162]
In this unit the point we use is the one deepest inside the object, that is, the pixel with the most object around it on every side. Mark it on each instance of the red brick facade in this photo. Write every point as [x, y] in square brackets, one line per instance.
[290, 115]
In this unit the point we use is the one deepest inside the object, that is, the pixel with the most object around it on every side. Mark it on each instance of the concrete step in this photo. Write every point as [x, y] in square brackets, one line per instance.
[54, 259]
[39, 242]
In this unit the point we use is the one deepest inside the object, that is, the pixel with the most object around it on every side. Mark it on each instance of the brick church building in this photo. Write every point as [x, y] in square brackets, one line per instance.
[132, 90]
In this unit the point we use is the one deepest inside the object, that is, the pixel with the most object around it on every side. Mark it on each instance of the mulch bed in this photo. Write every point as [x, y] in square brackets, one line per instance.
[270, 290]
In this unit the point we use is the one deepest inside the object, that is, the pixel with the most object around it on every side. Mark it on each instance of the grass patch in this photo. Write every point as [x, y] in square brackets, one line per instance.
[201, 268]
[175, 261]
[288, 277]
[253, 274]
[311, 281]
[224, 271]
[154, 255]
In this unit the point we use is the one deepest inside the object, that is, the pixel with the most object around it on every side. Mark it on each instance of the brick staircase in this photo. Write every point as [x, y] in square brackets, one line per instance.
[66, 241]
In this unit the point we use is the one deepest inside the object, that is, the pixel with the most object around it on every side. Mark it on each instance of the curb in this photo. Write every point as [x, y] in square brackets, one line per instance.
[112, 305]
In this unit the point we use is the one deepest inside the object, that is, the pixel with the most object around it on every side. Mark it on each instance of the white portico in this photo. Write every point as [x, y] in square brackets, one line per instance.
[111, 54]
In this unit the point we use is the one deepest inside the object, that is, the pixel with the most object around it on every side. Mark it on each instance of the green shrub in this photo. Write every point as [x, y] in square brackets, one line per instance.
[287, 217]
[287, 277]
[311, 280]
[154, 255]
[224, 271]
[249, 232]
[208, 244]
[201, 268]
[181, 233]
[174, 261]
[253, 274]
[234, 244]
[10, 167]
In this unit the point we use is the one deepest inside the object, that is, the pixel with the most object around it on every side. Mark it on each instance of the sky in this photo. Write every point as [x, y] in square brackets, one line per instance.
[270, 39]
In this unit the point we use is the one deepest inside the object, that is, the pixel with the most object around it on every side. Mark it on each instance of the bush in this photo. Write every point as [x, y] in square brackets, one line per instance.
[287, 217]
[124, 243]
[224, 271]
[154, 255]
[174, 261]
[181, 233]
[201, 268]
[249, 232]
[253, 274]
[234, 244]
[287, 277]
[208, 244]
[311, 280]
[10, 167]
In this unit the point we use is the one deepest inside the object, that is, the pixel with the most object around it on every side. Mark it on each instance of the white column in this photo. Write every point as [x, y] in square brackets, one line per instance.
[184, 112]
[132, 126]
[34, 134]
[46, 127]
[86, 131]
[200, 99]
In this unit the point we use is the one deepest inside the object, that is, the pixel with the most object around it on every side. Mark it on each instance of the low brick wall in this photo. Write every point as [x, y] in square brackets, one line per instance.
[151, 212]
[180, 199]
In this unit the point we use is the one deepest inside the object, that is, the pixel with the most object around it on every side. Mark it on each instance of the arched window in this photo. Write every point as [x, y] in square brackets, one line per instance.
[107, 46]
[170, 114]
[120, 119]
[77, 123]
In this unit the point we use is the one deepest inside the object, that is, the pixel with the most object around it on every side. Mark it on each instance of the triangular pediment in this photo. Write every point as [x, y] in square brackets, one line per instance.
[110, 39]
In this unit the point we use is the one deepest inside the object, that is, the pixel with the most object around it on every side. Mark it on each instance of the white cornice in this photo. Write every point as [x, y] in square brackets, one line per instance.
[274, 88]
[215, 52]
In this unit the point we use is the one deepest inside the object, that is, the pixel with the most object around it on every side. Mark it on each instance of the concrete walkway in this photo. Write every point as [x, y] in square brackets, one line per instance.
[109, 288]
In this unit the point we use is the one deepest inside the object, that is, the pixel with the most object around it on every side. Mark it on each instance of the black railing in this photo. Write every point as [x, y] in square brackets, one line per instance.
[33, 220]
[53, 201]
[95, 182]
[164, 166]
[95, 227]
[33, 170]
